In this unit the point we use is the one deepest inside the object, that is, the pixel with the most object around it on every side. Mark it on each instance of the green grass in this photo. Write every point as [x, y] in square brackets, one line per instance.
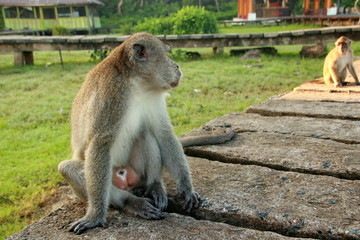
[242, 29]
[35, 104]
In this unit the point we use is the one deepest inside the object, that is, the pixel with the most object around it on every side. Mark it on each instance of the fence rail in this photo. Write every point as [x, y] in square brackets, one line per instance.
[23, 46]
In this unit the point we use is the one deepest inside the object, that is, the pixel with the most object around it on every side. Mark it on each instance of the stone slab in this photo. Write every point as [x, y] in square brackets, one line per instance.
[316, 90]
[123, 226]
[302, 108]
[323, 96]
[293, 204]
[286, 152]
[344, 131]
[319, 86]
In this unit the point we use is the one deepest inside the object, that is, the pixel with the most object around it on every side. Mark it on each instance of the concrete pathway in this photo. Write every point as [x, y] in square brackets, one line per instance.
[292, 171]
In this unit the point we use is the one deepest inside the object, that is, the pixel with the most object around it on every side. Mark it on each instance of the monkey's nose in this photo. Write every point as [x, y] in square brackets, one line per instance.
[175, 84]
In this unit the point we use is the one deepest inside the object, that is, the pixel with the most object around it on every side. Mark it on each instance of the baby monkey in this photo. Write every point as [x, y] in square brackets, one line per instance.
[336, 62]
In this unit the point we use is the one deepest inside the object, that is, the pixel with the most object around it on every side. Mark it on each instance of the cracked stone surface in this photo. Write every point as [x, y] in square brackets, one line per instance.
[303, 108]
[291, 171]
[345, 131]
[124, 226]
[286, 152]
[289, 203]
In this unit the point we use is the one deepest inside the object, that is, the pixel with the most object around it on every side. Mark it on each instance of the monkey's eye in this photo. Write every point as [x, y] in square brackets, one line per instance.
[121, 172]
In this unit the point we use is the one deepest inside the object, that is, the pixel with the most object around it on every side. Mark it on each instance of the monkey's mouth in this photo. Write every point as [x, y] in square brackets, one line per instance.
[175, 83]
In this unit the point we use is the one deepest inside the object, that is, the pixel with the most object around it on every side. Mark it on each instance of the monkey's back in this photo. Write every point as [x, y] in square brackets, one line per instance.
[102, 94]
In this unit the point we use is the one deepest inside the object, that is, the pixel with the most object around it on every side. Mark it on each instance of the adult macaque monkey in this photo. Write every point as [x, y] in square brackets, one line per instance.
[336, 62]
[122, 136]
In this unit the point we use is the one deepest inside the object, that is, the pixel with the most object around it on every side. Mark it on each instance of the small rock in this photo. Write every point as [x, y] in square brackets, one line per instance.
[326, 164]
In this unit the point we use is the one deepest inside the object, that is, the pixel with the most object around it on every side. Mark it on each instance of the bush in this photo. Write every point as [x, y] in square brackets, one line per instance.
[164, 25]
[188, 20]
[191, 19]
[100, 54]
[60, 30]
[2, 24]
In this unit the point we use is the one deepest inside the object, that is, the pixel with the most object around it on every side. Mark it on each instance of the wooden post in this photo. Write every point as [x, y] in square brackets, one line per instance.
[316, 5]
[217, 51]
[306, 6]
[327, 4]
[61, 59]
[21, 58]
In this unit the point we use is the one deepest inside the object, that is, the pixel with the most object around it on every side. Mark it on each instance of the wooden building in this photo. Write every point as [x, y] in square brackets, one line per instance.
[45, 14]
[263, 8]
[316, 7]
[279, 8]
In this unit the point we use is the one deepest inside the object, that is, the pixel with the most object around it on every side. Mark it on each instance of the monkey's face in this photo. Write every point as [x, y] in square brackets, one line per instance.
[157, 71]
[343, 44]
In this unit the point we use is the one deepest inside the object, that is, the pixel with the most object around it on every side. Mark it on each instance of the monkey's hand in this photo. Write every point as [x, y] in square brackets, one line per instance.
[144, 208]
[85, 223]
[157, 192]
[190, 200]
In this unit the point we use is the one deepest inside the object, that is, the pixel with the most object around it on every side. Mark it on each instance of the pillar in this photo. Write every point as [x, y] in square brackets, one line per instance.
[245, 7]
[316, 5]
[306, 6]
[327, 4]
[21, 58]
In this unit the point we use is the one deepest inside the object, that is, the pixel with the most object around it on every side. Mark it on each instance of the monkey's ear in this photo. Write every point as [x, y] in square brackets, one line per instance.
[140, 53]
[167, 47]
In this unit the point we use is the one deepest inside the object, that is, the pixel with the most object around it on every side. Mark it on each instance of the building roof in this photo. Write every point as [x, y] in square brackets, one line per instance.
[47, 2]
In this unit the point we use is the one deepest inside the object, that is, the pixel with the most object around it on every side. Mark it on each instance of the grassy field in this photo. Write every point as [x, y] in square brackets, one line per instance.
[263, 28]
[35, 103]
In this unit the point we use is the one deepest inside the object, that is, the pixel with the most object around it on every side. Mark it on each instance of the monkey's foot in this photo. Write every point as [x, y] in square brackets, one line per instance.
[84, 224]
[144, 208]
[190, 200]
[157, 193]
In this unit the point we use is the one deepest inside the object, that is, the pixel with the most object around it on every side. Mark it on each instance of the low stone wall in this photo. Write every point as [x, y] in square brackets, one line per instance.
[23, 46]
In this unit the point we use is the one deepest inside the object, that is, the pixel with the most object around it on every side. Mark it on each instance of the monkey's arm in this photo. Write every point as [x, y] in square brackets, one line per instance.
[353, 73]
[333, 73]
[207, 139]
[98, 182]
[173, 158]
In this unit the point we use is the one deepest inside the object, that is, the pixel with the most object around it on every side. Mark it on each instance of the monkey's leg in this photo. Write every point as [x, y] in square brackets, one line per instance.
[73, 172]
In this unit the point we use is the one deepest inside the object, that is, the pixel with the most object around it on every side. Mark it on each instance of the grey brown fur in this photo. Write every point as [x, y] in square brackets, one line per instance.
[119, 119]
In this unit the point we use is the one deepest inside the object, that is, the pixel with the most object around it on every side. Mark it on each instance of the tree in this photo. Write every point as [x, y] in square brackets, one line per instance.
[119, 6]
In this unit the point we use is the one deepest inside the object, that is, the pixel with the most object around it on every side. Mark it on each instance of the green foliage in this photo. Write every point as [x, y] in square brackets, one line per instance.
[60, 30]
[348, 3]
[164, 25]
[2, 24]
[100, 54]
[179, 55]
[228, 10]
[190, 20]
[133, 13]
